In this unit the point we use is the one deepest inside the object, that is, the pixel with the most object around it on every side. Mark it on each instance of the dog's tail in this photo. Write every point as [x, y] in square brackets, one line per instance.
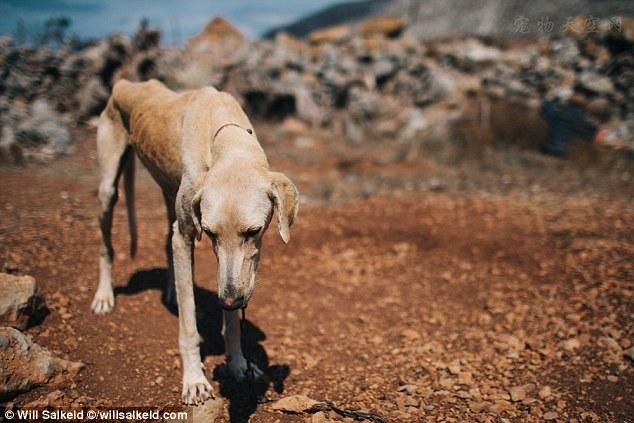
[128, 186]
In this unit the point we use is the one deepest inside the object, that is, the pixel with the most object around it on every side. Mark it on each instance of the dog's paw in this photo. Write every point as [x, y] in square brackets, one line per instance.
[103, 302]
[196, 390]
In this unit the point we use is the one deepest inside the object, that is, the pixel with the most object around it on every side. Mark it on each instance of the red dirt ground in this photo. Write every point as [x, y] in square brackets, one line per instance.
[419, 306]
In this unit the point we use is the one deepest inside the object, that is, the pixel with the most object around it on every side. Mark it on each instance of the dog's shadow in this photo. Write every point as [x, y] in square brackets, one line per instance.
[243, 396]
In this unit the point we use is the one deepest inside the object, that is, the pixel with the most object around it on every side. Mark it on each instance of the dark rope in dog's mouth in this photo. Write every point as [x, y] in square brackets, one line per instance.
[324, 405]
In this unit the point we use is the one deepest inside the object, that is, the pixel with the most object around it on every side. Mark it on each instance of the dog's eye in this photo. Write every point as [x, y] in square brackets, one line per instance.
[251, 233]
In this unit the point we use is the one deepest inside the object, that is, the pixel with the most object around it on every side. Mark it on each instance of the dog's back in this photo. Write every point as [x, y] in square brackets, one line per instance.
[158, 120]
[151, 113]
[129, 95]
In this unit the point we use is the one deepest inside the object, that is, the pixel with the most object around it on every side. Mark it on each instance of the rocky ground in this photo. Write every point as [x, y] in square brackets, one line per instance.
[497, 299]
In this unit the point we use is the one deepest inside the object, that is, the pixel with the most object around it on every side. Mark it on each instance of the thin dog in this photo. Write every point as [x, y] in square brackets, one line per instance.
[202, 150]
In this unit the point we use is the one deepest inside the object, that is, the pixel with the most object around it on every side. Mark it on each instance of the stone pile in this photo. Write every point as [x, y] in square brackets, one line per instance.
[24, 364]
[43, 92]
[372, 81]
[367, 82]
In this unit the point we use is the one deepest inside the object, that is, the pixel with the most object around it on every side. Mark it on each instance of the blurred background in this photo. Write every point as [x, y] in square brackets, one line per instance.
[94, 19]
[428, 83]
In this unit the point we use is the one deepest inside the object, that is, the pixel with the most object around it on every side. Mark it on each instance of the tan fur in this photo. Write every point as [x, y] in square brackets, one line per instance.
[202, 150]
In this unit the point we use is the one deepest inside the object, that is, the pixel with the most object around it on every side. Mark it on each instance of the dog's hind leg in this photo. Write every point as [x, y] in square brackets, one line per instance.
[169, 293]
[112, 153]
[128, 184]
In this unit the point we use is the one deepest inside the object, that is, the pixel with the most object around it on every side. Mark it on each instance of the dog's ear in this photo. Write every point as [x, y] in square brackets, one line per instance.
[195, 213]
[286, 201]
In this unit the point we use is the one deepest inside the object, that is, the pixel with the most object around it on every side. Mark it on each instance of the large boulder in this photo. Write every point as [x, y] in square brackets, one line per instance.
[25, 365]
[19, 300]
[217, 46]
[219, 33]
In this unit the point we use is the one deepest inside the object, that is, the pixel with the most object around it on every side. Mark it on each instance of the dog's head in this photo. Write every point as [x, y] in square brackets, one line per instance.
[234, 210]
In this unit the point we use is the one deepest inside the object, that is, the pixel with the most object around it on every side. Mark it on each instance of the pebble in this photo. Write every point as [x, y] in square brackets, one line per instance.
[410, 334]
[518, 393]
[570, 344]
[545, 392]
[409, 389]
[550, 415]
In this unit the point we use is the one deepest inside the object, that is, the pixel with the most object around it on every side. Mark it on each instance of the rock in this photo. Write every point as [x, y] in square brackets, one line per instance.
[518, 393]
[600, 108]
[596, 83]
[610, 344]
[38, 135]
[410, 334]
[564, 50]
[363, 104]
[55, 399]
[329, 35]
[42, 135]
[409, 388]
[425, 86]
[512, 342]
[218, 33]
[19, 300]
[388, 26]
[464, 394]
[219, 45]
[92, 98]
[476, 52]
[415, 125]
[307, 109]
[545, 392]
[294, 404]
[320, 417]
[384, 70]
[570, 344]
[294, 126]
[465, 378]
[629, 353]
[550, 415]
[454, 368]
[411, 402]
[208, 411]
[477, 407]
[25, 365]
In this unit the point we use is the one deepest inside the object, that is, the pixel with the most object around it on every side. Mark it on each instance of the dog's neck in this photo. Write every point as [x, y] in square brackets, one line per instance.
[232, 143]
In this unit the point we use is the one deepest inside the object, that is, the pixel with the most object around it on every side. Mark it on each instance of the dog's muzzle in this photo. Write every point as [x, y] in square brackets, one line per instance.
[231, 303]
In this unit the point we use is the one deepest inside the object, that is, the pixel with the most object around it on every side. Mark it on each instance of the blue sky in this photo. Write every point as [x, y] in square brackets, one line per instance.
[179, 19]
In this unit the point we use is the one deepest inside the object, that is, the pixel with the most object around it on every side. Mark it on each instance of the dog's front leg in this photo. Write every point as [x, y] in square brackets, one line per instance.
[233, 349]
[196, 387]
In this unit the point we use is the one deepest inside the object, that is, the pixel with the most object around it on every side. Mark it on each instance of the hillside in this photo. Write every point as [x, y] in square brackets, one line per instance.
[448, 18]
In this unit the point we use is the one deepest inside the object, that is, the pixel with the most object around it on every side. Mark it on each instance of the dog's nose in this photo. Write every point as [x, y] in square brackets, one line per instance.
[231, 303]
